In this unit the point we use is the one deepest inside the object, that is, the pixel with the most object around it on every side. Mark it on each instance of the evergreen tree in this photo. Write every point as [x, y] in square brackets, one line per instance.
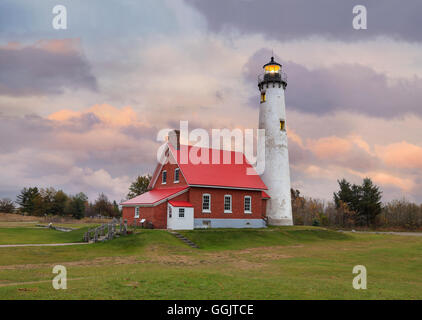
[348, 193]
[364, 200]
[370, 202]
[26, 199]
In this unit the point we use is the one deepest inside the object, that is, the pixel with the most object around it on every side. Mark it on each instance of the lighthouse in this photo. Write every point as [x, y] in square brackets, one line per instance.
[272, 118]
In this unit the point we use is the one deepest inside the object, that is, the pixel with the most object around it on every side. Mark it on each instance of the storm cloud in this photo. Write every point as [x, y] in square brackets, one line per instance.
[48, 67]
[347, 87]
[292, 19]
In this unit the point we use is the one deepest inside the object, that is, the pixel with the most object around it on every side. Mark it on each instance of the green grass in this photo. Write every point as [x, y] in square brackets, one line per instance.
[33, 235]
[273, 263]
[223, 239]
[161, 240]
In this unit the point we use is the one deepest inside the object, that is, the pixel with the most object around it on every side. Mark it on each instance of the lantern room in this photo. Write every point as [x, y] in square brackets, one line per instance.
[272, 75]
[272, 66]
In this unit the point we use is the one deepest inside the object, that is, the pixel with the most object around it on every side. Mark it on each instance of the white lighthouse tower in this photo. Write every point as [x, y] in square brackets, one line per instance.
[272, 118]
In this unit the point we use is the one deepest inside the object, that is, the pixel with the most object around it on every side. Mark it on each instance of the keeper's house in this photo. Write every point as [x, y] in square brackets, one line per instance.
[186, 195]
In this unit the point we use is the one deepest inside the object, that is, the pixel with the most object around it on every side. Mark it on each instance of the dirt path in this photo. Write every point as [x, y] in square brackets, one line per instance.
[13, 284]
[42, 245]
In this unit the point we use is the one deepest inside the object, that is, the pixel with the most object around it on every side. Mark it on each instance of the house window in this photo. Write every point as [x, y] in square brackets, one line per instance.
[170, 212]
[176, 175]
[164, 177]
[181, 212]
[206, 203]
[248, 204]
[227, 203]
[136, 212]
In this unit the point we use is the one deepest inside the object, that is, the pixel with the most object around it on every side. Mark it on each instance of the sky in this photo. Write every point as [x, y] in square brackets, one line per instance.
[80, 108]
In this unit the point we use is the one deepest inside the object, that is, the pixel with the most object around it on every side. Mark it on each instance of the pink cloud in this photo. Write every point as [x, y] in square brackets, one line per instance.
[62, 46]
[401, 155]
[293, 136]
[328, 147]
[388, 179]
[106, 113]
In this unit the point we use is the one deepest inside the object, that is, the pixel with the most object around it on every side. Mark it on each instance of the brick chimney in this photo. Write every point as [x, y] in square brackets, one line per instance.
[174, 139]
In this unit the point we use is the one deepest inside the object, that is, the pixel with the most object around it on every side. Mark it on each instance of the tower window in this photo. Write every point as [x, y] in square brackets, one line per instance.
[282, 125]
[262, 96]
[164, 177]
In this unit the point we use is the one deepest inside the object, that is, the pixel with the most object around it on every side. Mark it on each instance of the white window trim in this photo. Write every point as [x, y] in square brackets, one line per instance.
[209, 196]
[231, 204]
[136, 212]
[178, 180]
[162, 177]
[250, 204]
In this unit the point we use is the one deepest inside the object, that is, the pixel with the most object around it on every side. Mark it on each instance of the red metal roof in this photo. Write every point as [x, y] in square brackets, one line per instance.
[154, 196]
[180, 203]
[232, 174]
[265, 195]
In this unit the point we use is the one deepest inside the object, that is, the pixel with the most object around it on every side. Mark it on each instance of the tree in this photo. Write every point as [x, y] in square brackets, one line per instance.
[59, 203]
[45, 205]
[26, 199]
[348, 194]
[364, 200]
[294, 194]
[89, 210]
[139, 186]
[370, 201]
[103, 206]
[39, 206]
[75, 205]
[116, 210]
[7, 206]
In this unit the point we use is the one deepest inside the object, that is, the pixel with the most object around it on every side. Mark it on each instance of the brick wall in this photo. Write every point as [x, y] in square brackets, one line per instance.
[170, 177]
[157, 215]
[217, 203]
[264, 207]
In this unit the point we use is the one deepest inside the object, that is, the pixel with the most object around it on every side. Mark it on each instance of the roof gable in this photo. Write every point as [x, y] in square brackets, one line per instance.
[166, 157]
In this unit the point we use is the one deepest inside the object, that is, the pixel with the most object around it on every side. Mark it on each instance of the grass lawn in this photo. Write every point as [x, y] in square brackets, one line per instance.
[35, 235]
[273, 263]
[217, 239]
